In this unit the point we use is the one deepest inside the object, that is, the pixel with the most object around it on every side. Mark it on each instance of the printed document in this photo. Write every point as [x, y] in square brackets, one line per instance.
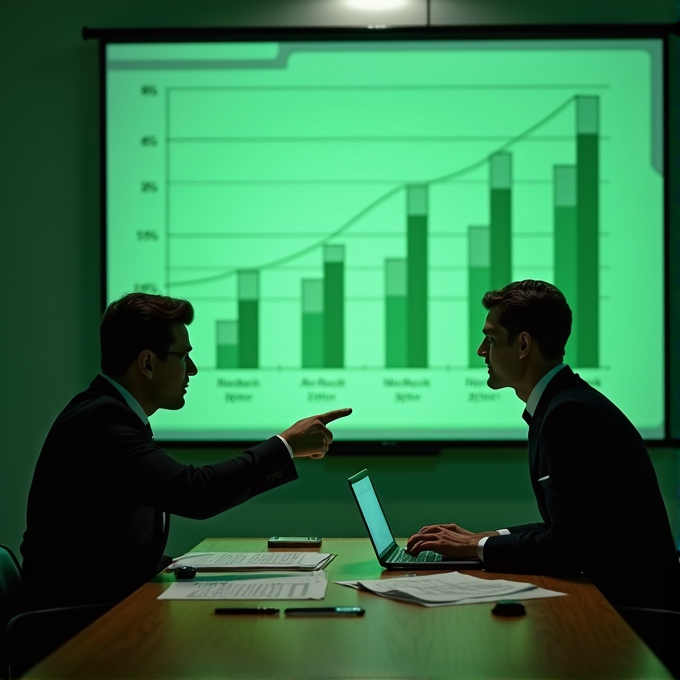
[272, 561]
[452, 588]
[311, 586]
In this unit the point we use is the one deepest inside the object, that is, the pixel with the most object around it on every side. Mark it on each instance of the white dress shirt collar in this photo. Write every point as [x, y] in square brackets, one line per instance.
[537, 392]
[131, 401]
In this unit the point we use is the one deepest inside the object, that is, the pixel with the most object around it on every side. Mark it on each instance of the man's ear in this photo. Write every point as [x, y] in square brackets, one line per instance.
[525, 342]
[145, 363]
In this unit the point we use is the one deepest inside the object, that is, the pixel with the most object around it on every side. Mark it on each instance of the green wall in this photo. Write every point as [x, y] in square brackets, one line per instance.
[50, 266]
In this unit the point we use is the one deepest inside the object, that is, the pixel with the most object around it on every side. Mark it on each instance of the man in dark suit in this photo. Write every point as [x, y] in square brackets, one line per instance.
[596, 489]
[102, 492]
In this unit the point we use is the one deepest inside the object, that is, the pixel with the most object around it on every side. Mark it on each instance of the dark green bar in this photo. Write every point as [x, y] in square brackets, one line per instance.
[396, 347]
[334, 314]
[501, 237]
[566, 271]
[248, 333]
[417, 291]
[478, 284]
[227, 356]
[588, 296]
[312, 340]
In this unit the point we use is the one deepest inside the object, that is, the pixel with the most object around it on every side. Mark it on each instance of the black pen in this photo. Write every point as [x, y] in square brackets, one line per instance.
[247, 610]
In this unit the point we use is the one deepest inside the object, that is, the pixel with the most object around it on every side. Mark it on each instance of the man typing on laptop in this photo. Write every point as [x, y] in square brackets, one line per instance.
[595, 486]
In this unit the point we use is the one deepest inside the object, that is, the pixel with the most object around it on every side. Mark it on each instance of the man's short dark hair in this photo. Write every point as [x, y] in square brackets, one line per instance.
[136, 322]
[536, 307]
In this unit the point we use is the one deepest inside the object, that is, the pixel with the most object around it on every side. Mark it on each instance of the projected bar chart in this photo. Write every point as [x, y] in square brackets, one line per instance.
[407, 321]
[336, 214]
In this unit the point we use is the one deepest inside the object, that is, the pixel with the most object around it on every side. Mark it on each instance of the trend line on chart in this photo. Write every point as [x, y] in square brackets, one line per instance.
[380, 200]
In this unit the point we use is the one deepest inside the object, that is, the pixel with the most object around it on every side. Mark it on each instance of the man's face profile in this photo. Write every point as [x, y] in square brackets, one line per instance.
[500, 357]
[172, 375]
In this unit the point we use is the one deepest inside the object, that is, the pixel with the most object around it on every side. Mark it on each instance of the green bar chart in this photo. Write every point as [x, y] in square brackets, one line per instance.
[336, 212]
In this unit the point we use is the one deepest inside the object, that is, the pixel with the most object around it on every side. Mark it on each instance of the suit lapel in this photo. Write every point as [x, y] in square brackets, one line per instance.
[561, 380]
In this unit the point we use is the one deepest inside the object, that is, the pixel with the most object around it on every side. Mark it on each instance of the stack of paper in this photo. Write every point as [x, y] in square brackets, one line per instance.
[310, 586]
[452, 588]
[274, 561]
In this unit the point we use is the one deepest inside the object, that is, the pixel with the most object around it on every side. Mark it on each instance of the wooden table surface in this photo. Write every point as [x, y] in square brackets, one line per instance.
[578, 636]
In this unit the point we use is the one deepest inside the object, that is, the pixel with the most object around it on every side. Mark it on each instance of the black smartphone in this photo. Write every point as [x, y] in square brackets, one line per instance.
[294, 542]
[324, 611]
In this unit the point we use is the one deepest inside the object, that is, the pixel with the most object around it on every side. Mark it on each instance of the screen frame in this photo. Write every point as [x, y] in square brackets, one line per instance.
[671, 142]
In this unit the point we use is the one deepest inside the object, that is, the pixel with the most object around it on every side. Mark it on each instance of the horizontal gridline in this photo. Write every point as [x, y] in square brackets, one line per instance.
[396, 234]
[370, 88]
[372, 138]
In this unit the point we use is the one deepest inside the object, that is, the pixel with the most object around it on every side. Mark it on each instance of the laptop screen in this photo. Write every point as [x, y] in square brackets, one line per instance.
[373, 514]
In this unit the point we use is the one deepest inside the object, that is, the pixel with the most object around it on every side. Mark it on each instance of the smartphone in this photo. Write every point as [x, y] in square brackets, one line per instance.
[294, 542]
[324, 611]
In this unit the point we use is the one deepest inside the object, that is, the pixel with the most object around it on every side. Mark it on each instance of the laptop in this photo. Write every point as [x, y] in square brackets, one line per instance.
[389, 554]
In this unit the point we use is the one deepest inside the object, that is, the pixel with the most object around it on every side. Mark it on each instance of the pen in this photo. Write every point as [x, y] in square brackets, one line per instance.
[246, 610]
[324, 611]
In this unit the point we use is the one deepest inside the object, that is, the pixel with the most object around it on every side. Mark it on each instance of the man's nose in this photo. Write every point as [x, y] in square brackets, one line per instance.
[192, 369]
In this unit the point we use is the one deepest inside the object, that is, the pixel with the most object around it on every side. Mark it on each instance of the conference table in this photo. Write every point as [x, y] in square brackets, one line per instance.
[577, 636]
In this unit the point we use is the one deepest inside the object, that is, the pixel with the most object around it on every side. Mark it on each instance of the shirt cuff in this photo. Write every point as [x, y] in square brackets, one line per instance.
[288, 446]
[480, 545]
[480, 548]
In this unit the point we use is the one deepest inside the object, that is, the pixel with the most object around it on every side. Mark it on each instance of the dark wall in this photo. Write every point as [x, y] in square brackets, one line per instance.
[50, 271]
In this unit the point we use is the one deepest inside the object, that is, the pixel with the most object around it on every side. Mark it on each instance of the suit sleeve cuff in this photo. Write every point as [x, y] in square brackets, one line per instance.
[480, 545]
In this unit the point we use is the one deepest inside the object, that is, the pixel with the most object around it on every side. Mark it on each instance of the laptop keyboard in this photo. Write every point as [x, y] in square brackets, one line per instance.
[425, 556]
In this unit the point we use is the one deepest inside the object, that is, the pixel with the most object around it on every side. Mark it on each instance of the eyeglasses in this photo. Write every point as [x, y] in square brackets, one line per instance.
[182, 355]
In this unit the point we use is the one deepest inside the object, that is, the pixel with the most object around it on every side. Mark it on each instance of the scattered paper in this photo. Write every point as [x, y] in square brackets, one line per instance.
[311, 586]
[277, 561]
[452, 588]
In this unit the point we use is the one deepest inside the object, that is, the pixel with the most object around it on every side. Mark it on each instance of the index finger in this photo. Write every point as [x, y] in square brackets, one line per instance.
[330, 416]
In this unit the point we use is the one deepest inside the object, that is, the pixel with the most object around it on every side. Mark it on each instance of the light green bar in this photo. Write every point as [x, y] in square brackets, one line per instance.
[587, 115]
[479, 241]
[334, 253]
[312, 296]
[416, 199]
[565, 186]
[395, 277]
[227, 332]
[500, 169]
[248, 285]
